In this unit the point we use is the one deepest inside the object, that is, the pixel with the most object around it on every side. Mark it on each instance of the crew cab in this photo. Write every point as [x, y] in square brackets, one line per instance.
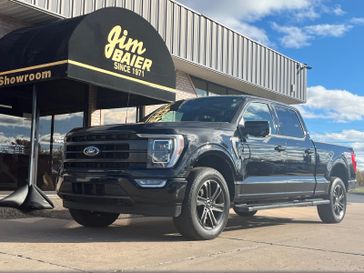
[195, 159]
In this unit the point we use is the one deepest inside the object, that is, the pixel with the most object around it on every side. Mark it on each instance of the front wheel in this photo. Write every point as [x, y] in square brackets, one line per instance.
[93, 219]
[334, 212]
[206, 206]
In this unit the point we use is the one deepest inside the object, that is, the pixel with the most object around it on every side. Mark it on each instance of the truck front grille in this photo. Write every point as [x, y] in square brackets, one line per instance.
[117, 152]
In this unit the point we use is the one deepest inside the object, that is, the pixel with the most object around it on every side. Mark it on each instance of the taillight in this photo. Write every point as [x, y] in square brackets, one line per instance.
[353, 161]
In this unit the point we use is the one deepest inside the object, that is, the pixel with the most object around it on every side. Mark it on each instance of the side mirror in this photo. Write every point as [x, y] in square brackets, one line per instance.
[255, 128]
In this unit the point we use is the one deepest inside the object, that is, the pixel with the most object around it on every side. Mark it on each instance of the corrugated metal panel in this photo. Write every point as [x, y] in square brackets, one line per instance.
[198, 39]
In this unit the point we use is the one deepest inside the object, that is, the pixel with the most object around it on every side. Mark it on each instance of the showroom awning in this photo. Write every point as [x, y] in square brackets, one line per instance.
[112, 48]
[50, 69]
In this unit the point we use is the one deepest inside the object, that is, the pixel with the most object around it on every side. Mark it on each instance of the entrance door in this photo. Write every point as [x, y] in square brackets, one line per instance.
[52, 130]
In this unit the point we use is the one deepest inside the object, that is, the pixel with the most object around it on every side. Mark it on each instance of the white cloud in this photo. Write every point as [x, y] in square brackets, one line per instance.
[248, 30]
[335, 104]
[297, 37]
[294, 37]
[338, 10]
[357, 20]
[308, 13]
[350, 138]
[239, 14]
[246, 10]
[333, 30]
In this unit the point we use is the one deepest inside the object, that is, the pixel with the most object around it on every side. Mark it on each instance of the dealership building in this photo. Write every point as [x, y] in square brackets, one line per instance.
[206, 58]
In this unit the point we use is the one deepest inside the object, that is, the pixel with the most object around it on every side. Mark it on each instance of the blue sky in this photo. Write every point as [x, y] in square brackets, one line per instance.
[327, 35]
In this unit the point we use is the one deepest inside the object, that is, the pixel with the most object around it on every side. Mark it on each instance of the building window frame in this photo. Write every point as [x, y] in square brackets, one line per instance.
[205, 88]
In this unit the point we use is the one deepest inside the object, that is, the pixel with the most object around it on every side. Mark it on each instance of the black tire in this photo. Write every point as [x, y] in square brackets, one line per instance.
[93, 219]
[245, 213]
[335, 211]
[206, 205]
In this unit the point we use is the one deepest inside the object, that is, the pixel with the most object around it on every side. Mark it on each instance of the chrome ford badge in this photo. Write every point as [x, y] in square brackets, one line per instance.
[91, 151]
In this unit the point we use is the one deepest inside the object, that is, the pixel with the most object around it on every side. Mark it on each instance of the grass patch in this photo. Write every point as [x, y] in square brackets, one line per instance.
[358, 190]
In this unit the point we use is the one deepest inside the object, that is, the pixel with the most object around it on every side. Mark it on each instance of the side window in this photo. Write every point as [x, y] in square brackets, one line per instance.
[289, 123]
[257, 111]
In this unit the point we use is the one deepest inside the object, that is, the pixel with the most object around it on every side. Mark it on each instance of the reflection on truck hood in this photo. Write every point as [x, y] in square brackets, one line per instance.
[158, 128]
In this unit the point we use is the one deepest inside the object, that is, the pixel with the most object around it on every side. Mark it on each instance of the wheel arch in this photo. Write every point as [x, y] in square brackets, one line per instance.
[221, 162]
[340, 170]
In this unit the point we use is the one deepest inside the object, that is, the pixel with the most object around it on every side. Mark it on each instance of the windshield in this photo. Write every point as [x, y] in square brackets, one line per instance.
[212, 109]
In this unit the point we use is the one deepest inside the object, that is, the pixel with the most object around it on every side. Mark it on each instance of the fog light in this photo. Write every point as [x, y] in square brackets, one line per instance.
[151, 183]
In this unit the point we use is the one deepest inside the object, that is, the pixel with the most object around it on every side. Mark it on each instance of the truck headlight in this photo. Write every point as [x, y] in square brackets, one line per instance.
[163, 150]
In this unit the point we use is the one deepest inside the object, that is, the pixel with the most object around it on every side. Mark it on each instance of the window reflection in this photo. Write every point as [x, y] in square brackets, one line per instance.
[52, 130]
[14, 151]
[119, 115]
[205, 88]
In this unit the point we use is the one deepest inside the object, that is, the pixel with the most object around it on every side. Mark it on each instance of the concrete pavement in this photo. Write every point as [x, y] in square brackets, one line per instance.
[287, 240]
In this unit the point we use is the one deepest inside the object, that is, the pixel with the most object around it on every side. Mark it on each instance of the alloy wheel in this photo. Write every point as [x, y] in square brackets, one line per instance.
[210, 205]
[339, 201]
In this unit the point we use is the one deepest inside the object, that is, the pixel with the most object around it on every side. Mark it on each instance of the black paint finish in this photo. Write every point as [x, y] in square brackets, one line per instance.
[272, 168]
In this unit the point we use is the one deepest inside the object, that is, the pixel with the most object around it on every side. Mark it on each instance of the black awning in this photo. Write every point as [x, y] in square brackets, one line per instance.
[112, 48]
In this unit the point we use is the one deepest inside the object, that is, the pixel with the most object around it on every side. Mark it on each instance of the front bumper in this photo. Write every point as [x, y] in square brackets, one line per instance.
[120, 194]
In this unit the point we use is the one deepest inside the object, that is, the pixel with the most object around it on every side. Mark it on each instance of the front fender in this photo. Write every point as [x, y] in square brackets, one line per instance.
[225, 153]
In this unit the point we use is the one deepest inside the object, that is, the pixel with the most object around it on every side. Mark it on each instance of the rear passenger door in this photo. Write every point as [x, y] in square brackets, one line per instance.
[299, 167]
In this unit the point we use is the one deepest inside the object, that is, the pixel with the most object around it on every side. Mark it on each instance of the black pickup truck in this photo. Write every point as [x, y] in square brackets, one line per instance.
[195, 159]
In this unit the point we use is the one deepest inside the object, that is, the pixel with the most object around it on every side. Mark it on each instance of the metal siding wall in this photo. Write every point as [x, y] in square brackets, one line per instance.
[235, 55]
[189, 34]
[196, 29]
[203, 45]
[245, 58]
[240, 56]
[198, 39]
[169, 26]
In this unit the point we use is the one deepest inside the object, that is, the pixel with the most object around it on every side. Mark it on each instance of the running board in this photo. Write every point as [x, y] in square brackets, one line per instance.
[306, 203]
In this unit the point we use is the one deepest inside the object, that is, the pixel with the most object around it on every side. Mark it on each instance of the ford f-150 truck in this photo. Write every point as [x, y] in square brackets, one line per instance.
[195, 159]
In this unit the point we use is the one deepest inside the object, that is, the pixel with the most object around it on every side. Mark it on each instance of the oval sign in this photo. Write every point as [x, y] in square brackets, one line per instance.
[91, 151]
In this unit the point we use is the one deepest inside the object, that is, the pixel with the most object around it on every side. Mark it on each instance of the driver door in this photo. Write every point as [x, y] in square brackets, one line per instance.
[262, 159]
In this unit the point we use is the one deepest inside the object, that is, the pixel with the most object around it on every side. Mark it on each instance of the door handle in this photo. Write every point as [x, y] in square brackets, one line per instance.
[309, 151]
[280, 148]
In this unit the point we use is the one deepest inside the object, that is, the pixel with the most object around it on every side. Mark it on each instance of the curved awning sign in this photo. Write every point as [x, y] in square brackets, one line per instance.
[113, 48]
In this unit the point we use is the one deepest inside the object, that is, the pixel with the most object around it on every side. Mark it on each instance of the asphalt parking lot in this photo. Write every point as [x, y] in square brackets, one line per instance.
[286, 240]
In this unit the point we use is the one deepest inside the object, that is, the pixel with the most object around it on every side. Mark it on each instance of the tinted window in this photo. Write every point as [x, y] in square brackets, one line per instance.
[257, 111]
[289, 123]
[209, 109]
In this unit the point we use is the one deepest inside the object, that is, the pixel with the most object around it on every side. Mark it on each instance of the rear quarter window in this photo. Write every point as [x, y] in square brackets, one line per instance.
[289, 122]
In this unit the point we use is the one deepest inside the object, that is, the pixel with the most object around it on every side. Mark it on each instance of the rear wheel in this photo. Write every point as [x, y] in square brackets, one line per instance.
[245, 213]
[334, 212]
[93, 219]
[206, 206]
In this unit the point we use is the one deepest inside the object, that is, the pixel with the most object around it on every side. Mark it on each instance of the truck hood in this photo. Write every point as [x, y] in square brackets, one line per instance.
[157, 128]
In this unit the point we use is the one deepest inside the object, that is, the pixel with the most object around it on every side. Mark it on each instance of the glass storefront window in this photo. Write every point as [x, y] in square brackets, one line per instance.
[204, 88]
[200, 87]
[14, 151]
[51, 146]
[119, 115]
[216, 90]
[234, 92]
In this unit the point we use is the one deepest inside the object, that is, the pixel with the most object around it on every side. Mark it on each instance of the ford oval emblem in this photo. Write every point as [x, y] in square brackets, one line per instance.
[91, 151]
